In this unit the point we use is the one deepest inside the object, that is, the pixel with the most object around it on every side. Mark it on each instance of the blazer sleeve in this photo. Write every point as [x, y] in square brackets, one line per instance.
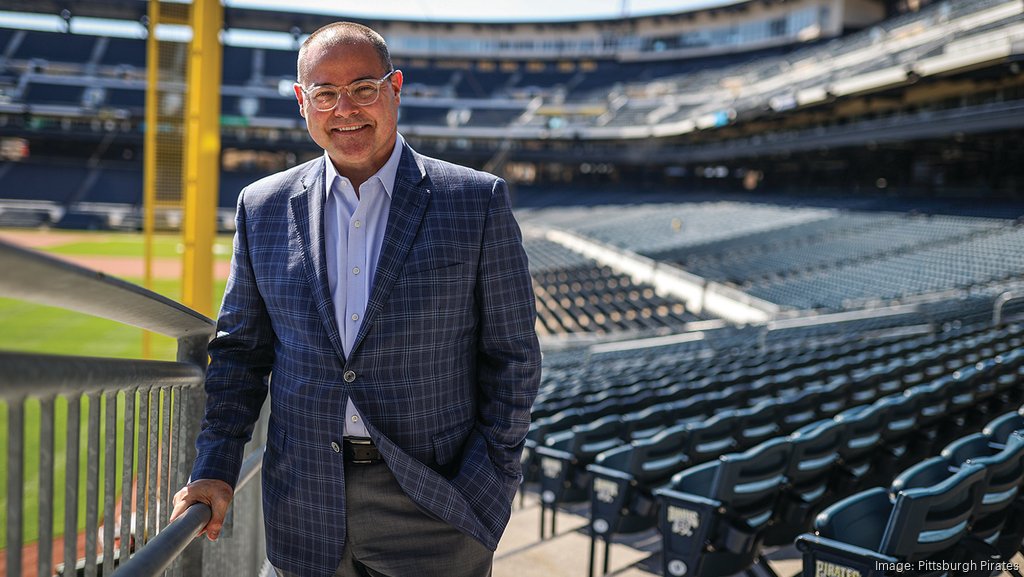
[508, 363]
[241, 357]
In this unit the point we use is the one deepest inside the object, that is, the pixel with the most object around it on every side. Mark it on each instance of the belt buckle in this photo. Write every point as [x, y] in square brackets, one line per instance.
[355, 443]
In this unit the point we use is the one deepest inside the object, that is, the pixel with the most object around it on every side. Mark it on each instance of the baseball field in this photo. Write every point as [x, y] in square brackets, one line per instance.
[34, 328]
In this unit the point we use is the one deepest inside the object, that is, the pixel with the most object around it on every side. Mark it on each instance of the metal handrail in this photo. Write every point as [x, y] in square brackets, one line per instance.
[1001, 302]
[27, 374]
[162, 550]
[166, 398]
[80, 289]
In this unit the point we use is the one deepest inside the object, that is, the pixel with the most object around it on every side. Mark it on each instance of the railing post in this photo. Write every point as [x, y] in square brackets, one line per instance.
[192, 350]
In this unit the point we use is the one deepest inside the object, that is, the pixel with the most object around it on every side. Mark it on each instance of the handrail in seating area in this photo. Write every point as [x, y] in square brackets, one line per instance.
[140, 419]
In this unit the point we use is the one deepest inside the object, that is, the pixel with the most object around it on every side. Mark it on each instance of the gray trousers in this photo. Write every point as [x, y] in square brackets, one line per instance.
[389, 536]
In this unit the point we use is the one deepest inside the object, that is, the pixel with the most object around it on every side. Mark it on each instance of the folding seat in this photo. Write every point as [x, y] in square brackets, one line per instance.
[712, 437]
[539, 430]
[835, 395]
[603, 407]
[565, 455]
[865, 384]
[623, 478]
[1000, 429]
[801, 408]
[758, 423]
[814, 455]
[917, 526]
[1004, 466]
[862, 434]
[905, 438]
[936, 417]
[980, 380]
[1010, 376]
[713, 517]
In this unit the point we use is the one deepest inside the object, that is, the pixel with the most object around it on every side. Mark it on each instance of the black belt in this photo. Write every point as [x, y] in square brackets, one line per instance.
[361, 451]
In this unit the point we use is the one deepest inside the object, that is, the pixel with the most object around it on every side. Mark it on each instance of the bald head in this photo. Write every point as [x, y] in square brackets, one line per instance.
[340, 34]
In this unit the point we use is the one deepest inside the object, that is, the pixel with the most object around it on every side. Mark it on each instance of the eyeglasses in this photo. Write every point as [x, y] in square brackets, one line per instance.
[361, 92]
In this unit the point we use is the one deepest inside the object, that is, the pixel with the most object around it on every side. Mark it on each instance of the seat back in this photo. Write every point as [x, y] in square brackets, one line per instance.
[758, 423]
[1004, 474]
[999, 429]
[903, 416]
[932, 509]
[862, 433]
[815, 451]
[713, 437]
[813, 458]
[661, 456]
[748, 483]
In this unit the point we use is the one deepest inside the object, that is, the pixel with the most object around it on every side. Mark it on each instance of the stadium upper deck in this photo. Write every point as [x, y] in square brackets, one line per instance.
[769, 93]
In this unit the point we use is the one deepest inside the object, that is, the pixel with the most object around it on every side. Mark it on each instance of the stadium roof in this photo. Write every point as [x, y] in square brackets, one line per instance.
[308, 17]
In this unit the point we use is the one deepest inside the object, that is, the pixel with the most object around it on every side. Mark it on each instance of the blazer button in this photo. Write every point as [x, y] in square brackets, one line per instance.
[350, 376]
[336, 446]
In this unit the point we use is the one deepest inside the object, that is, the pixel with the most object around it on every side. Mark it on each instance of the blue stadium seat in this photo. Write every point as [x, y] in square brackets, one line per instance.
[623, 478]
[814, 456]
[714, 516]
[862, 433]
[1000, 429]
[1005, 474]
[923, 517]
[565, 455]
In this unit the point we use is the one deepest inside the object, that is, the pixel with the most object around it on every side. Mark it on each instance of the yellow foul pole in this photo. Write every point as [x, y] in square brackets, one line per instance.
[149, 157]
[202, 154]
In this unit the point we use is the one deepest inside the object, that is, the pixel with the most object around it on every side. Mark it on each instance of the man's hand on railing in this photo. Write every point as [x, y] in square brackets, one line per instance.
[213, 492]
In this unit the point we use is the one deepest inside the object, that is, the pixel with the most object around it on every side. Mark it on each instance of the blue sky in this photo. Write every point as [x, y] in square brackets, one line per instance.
[483, 10]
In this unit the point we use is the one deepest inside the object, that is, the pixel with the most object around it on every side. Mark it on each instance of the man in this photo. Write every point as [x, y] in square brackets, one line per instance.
[388, 295]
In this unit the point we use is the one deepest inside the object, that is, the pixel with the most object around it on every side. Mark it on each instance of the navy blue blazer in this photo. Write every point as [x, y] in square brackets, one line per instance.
[444, 369]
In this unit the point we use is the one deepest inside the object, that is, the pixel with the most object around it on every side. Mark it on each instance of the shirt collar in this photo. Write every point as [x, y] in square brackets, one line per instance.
[386, 175]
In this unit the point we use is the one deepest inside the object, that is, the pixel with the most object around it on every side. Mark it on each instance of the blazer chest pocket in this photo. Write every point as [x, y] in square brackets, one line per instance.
[434, 290]
[428, 270]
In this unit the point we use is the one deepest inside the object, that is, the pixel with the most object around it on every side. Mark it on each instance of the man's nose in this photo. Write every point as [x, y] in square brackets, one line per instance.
[345, 106]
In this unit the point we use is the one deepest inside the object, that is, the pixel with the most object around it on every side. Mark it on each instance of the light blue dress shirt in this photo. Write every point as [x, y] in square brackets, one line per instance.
[354, 232]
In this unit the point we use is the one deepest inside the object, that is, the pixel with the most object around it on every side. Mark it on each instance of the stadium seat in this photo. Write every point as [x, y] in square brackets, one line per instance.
[924, 517]
[1000, 429]
[862, 434]
[714, 516]
[902, 439]
[565, 455]
[760, 422]
[814, 455]
[1005, 474]
[623, 480]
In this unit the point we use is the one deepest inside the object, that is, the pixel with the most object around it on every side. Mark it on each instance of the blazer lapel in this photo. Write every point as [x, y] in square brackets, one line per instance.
[307, 205]
[409, 201]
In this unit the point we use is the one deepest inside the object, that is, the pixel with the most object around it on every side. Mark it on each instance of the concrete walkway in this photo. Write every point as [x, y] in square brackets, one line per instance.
[521, 553]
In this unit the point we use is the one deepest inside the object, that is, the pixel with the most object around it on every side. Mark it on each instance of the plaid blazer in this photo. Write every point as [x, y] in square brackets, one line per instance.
[444, 369]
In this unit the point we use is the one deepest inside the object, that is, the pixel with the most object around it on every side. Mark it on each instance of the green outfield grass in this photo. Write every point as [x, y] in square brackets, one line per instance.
[131, 244]
[42, 329]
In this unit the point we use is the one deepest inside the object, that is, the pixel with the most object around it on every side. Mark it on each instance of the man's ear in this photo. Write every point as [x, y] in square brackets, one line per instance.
[396, 82]
[300, 96]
